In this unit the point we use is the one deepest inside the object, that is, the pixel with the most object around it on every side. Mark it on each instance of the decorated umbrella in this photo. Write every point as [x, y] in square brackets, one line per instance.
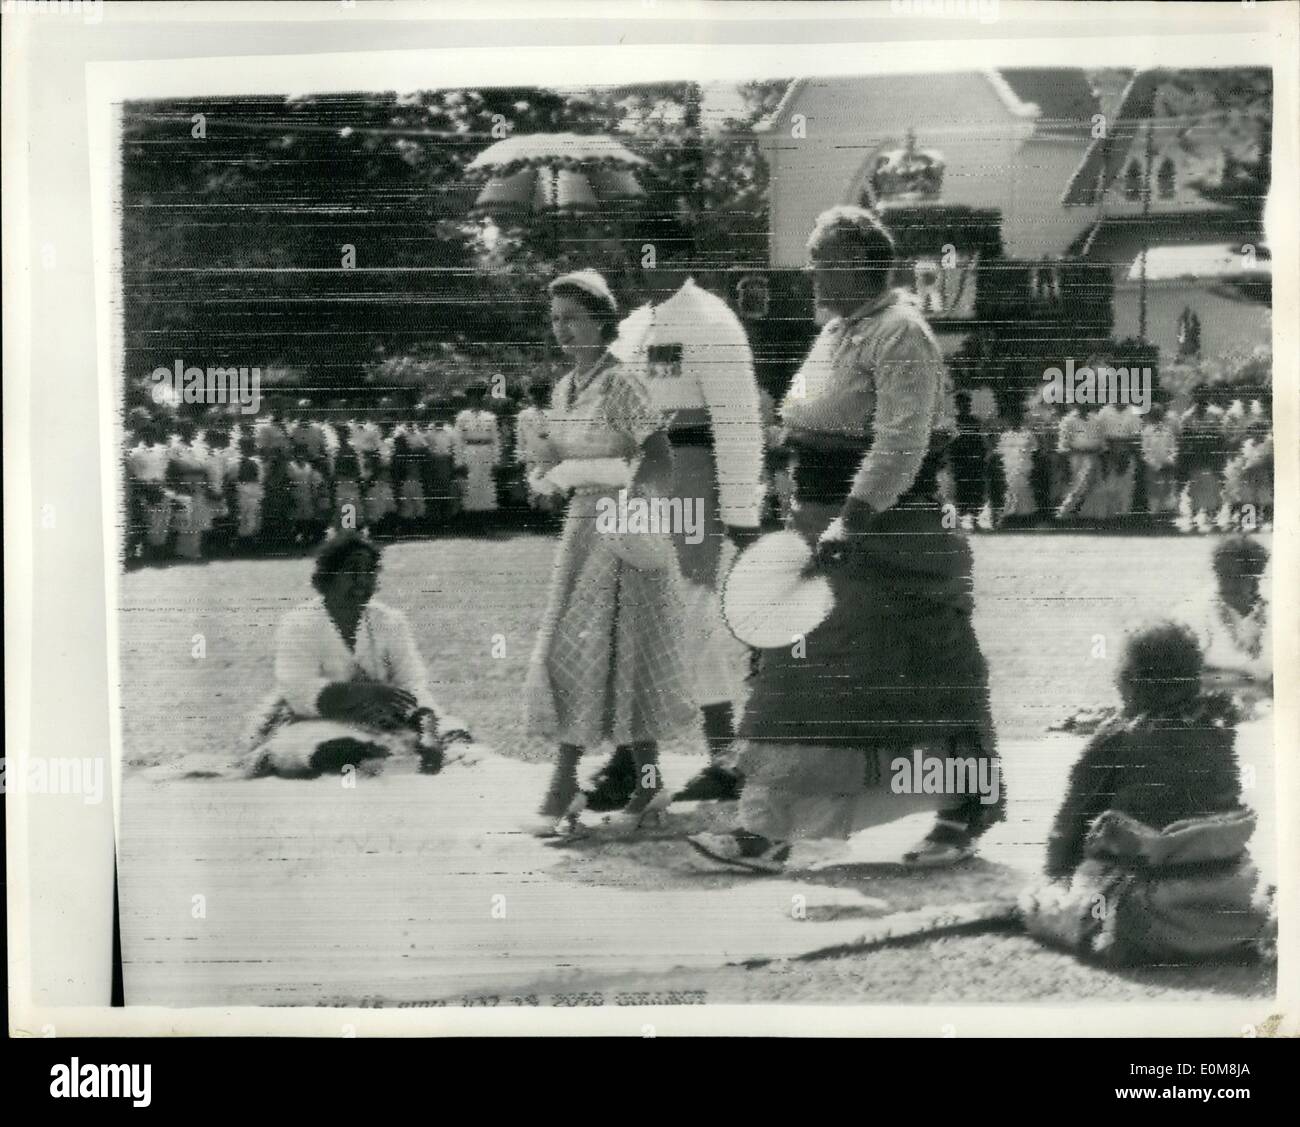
[549, 173]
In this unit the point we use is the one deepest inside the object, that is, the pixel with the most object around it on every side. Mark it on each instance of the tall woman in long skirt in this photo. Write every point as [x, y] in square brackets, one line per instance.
[895, 671]
[609, 664]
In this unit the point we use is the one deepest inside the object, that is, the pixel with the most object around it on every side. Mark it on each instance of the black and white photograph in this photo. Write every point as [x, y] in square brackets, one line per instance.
[775, 527]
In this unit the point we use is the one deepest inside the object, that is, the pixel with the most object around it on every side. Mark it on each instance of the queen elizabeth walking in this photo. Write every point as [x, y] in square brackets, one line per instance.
[609, 664]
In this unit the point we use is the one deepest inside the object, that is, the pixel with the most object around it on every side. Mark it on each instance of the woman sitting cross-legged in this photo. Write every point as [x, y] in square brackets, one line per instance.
[350, 683]
[1232, 624]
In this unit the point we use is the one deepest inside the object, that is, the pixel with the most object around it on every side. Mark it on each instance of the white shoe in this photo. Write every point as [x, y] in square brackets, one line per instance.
[634, 816]
[557, 825]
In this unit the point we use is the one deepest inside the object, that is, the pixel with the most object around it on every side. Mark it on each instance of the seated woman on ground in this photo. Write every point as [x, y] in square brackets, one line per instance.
[1148, 854]
[350, 683]
[1232, 624]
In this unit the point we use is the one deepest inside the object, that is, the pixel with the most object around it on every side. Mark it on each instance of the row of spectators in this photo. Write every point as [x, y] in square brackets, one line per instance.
[276, 484]
[1209, 466]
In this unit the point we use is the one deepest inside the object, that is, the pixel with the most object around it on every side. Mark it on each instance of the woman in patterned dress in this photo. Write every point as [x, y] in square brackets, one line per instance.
[609, 664]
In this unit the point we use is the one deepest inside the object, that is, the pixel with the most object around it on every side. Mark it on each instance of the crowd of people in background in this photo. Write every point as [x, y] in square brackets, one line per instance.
[223, 485]
[1206, 468]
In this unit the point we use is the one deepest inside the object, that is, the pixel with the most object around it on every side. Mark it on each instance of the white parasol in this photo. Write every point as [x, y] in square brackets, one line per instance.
[555, 172]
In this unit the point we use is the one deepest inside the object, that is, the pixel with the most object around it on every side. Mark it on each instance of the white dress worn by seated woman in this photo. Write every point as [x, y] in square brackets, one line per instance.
[1232, 624]
[311, 655]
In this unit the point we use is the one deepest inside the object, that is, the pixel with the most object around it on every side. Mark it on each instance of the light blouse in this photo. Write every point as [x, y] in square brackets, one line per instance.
[880, 373]
[605, 412]
[311, 654]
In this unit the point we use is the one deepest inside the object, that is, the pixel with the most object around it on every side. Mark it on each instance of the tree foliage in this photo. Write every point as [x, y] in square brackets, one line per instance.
[333, 233]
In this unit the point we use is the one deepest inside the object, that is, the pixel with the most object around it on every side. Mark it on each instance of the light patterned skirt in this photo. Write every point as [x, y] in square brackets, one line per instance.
[610, 663]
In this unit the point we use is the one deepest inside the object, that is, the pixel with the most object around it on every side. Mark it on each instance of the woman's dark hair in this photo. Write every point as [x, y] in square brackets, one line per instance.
[334, 554]
[1239, 555]
[1161, 668]
[599, 310]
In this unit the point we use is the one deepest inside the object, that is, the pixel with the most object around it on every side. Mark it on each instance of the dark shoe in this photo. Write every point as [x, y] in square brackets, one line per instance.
[713, 784]
[644, 811]
[614, 784]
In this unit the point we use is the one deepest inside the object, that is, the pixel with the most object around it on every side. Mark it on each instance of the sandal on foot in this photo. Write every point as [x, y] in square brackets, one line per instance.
[938, 854]
[744, 850]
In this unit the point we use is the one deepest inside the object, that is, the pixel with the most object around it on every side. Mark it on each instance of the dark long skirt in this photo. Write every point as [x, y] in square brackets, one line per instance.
[896, 662]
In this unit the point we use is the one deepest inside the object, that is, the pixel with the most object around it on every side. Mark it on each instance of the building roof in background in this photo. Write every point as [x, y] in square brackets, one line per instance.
[1106, 156]
[1065, 98]
[1058, 99]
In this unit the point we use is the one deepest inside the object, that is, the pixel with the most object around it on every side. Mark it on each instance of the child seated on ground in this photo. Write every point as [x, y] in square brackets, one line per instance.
[1148, 852]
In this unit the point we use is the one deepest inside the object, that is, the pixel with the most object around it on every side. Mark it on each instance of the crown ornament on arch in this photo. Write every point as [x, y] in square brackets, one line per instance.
[907, 174]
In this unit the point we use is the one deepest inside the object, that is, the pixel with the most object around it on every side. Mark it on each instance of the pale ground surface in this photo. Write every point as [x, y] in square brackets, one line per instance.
[407, 889]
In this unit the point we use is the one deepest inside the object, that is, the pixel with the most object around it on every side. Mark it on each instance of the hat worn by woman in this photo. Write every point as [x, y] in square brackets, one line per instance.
[589, 282]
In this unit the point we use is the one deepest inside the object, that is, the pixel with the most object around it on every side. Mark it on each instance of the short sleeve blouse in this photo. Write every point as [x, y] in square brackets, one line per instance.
[608, 415]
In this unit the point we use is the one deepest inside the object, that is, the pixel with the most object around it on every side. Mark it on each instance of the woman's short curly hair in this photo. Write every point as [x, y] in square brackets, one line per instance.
[1161, 667]
[855, 225]
[1240, 555]
[334, 554]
